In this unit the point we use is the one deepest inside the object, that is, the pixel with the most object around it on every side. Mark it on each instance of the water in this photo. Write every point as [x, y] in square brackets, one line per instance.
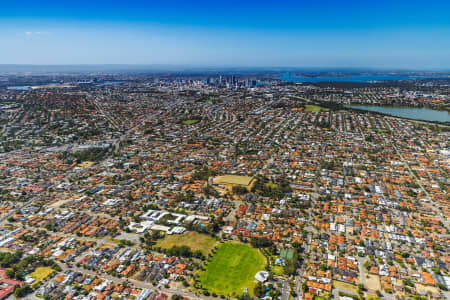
[19, 88]
[354, 78]
[424, 114]
[110, 83]
[29, 87]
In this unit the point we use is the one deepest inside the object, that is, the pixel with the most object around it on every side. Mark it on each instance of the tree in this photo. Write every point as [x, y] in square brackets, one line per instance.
[10, 273]
[289, 267]
[198, 254]
[239, 190]
[260, 242]
[22, 291]
[203, 174]
[304, 287]
[182, 250]
[259, 290]
[208, 190]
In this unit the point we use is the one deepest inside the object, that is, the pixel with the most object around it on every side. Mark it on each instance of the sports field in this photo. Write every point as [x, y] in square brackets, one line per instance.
[194, 240]
[232, 268]
[233, 179]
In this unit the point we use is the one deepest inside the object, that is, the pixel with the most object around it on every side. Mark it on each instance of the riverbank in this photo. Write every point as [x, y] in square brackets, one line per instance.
[408, 113]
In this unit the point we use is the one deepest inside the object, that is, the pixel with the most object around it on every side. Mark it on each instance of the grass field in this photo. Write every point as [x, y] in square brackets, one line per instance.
[232, 268]
[194, 240]
[41, 273]
[345, 286]
[314, 108]
[271, 185]
[379, 130]
[190, 122]
[278, 270]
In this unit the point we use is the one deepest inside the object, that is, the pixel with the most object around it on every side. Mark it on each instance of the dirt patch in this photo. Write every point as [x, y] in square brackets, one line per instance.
[373, 283]
[432, 289]
[345, 286]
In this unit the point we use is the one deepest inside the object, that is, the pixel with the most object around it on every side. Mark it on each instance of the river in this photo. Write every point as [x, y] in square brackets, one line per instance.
[352, 78]
[424, 114]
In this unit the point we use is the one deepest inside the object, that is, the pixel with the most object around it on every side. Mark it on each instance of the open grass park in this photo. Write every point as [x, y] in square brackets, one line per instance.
[232, 268]
[41, 273]
[194, 240]
[314, 108]
[190, 122]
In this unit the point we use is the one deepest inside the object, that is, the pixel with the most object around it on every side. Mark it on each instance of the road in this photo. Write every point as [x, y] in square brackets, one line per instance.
[117, 280]
[433, 204]
[232, 215]
[336, 292]
[405, 162]
[14, 211]
[309, 229]
[285, 289]
[109, 118]
[362, 274]
[136, 283]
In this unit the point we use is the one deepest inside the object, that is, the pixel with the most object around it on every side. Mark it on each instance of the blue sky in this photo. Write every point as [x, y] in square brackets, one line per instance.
[387, 34]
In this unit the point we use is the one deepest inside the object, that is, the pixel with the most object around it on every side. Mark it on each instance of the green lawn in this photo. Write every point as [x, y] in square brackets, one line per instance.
[271, 185]
[232, 268]
[41, 273]
[379, 130]
[190, 122]
[192, 239]
[314, 108]
[278, 270]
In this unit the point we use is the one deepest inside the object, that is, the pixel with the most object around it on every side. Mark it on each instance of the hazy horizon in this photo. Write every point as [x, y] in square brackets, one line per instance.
[8, 68]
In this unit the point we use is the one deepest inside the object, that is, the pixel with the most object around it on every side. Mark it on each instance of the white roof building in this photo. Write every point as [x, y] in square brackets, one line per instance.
[262, 276]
